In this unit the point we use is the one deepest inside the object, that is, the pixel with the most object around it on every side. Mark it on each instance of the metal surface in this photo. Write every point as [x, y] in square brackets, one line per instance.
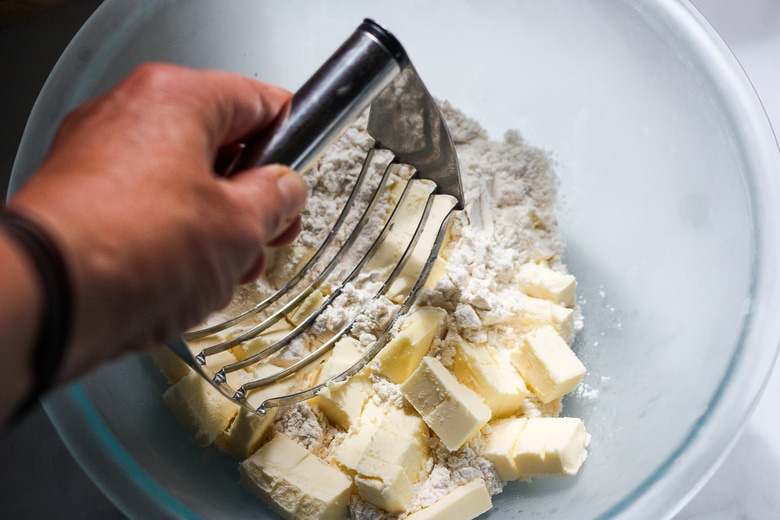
[371, 69]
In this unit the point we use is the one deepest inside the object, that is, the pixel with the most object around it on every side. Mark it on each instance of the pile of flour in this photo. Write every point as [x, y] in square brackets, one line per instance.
[509, 219]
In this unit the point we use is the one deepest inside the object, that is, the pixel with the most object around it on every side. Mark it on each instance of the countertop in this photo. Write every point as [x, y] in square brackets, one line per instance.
[39, 478]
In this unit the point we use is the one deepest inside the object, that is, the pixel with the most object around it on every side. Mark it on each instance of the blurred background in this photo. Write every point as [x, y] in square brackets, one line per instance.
[38, 476]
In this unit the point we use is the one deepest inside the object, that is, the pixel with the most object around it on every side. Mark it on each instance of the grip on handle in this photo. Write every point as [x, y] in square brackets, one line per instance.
[330, 100]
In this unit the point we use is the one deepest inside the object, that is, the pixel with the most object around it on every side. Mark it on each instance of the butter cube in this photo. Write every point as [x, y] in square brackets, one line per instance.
[400, 442]
[344, 354]
[452, 410]
[395, 243]
[201, 409]
[246, 433]
[402, 354]
[295, 483]
[537, 447]
[347, 454]
[551, 446]
[401, 438]
[307, 307]
[262, 341]
[500, 446]
[383, 484]
[500, 385]
[169, 363]
[547, 364]
[537, 313]
[257, 396]
[342, 402]
[462, 503]
[542, 282]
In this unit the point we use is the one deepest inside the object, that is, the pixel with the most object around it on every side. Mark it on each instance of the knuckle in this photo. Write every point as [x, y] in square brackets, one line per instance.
[154, 78]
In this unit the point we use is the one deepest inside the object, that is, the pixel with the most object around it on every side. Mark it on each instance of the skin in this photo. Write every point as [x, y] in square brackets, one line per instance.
[153, 238]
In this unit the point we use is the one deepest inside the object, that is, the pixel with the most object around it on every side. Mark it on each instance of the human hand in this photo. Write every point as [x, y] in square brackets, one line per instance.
[153, 238]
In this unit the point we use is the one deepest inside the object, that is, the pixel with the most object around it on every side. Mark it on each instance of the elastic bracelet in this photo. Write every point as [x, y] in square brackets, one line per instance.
[56, 319]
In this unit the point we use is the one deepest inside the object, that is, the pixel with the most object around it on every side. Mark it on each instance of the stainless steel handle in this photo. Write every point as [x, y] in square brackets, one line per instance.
[330, 100]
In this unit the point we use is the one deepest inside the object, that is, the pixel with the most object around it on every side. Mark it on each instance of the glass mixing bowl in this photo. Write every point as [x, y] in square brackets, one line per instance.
[669, 203]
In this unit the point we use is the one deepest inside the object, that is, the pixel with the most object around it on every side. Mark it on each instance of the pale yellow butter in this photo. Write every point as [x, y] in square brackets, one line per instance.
[551, 446]
[268, 337]
[547, 364]
[536, 313]
[499, 384]
[383, 484]
[400, 441]
[348, 452]
[245, 433]
[201, 409]
[257, 396]
[295, 483]
[398, 359]
[342, 402]
[452, 410]
[307, 307]
[462, 503]
[537, 447]
[169, 363]
[500, 444]
[540, 281]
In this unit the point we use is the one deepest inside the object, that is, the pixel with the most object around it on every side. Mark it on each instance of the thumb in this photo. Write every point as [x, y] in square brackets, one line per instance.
[277, 194]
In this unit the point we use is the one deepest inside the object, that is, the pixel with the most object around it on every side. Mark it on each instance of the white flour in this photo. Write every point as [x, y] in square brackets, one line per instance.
[509, 219]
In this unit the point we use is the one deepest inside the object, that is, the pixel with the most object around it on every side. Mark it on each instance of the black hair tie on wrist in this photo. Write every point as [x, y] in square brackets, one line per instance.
[56, 318]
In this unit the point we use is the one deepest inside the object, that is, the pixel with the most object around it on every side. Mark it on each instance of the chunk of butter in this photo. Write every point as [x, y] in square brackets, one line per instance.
[499, 384]
[391, 250]
[536, 312]
[257, 396]
[462, 503]
[551, 446]
[307, 307]
[542, 282]
[537, 447]
[402, 354]
[245, 433]
[383, 484]
[201, 409]
[169, 363]
[402, 438]
[248, 429]
[347, 454]
[400, 441]
[451, 409]
[295, 483]
[500, 444]
[342, 403]
[263, 340]
[547, 364]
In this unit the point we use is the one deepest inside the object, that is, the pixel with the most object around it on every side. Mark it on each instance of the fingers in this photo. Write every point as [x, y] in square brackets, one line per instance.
[233, 107]
[274, 196]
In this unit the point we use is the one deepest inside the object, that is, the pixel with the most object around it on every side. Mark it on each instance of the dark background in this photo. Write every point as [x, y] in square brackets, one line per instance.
[38, 476]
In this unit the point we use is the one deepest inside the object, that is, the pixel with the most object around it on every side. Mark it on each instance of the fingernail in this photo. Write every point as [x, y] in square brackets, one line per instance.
[292, 189]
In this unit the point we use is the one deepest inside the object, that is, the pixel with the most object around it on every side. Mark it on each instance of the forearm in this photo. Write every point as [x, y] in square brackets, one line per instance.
[21, 303]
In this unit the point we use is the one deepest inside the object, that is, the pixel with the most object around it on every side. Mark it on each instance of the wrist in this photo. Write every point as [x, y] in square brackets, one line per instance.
[43, 290]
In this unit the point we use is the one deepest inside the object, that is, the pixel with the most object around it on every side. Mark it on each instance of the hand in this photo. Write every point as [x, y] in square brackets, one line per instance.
[153, 238]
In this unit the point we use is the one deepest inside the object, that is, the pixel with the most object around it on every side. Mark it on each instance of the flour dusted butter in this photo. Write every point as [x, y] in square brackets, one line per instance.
[548, 364]
[452, 410]
[466, 395]
[296, 484]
